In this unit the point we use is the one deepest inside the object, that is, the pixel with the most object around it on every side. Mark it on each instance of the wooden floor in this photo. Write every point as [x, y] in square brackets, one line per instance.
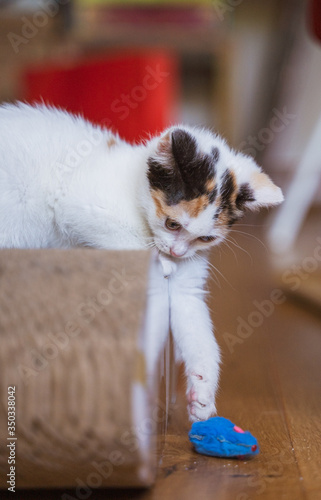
[270, 385]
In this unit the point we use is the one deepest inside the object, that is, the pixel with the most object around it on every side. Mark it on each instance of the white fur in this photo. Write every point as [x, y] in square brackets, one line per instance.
[62, 185]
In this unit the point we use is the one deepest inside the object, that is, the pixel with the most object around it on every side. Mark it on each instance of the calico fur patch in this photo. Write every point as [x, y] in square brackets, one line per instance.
[193, 207]
[245, 195]
[182, 177]
[183, 174]
[232, 199]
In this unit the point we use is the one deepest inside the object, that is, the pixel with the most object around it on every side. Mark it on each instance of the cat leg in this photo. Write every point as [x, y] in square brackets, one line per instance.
[192, 331]
[156, 321]
[168, 265]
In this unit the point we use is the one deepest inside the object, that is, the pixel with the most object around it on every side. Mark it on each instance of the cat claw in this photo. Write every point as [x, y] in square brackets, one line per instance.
[200, 397]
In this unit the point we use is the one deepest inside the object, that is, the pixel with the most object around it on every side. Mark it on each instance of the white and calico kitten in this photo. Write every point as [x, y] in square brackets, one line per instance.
[65, 183]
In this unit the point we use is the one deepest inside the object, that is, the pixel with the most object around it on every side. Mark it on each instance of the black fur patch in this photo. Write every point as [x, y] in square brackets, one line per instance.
[186, 176]
[245, 194]
[167, 180]
[234, 217]
[234, 209]
[212, 196]
[227, 189]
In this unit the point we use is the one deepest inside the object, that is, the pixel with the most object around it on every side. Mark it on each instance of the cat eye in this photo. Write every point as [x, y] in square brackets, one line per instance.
[172, 225]
[207, 239]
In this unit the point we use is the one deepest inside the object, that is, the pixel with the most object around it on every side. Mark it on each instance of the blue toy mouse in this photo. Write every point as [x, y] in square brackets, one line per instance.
[219, 437]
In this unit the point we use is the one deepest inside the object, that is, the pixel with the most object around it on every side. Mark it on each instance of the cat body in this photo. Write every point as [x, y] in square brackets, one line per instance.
[66, 183]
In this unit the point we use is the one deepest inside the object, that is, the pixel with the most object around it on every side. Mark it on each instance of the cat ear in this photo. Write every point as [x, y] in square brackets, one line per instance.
[164, 146]
[256, 189]
[184, 148]
[179, 145]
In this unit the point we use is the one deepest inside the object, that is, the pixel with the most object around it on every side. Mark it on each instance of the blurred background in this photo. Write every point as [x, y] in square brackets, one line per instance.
[249, 70]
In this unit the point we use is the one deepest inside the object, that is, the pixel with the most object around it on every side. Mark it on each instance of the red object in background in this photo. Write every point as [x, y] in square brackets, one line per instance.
[315, 18]
[133, 93]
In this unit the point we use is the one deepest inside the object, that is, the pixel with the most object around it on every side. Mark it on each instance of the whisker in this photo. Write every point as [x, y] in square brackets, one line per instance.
[250, 236]
[211, 269]
[217, 271]
[225, 279]
[250, 225]
[149, 244]
[233, 242]
[221, 249]
[226, 242]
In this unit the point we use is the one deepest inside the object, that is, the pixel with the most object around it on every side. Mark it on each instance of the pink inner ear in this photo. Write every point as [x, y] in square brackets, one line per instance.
[238, 429]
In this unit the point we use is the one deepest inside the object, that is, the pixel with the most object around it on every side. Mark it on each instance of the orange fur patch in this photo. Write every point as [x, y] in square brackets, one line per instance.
[158, 198]
[112, 141]
[261, 180]
[210, 185]
[193, 207]
[233, 195]
[223, 218]
[235, 188]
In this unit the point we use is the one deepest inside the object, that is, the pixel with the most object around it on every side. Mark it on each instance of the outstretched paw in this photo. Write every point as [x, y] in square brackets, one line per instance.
[201, 397]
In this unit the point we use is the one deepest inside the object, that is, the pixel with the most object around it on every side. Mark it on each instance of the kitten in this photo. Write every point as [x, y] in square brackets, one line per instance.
[66, 183]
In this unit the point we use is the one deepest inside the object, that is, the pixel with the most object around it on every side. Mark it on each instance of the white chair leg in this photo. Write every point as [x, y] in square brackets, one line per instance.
[299, 197]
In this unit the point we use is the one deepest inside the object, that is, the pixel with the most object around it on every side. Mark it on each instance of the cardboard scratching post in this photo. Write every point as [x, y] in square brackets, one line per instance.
[71, 324]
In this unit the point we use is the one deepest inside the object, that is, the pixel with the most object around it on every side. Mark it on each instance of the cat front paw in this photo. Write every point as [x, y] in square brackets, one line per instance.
[200, 397]
[168, 265]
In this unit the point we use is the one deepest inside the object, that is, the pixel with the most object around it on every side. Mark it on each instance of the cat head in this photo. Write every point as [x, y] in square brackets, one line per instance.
[199, 188]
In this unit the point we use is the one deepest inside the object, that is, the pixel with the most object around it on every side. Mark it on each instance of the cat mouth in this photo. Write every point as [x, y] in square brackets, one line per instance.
[162, 250]
[168, 253]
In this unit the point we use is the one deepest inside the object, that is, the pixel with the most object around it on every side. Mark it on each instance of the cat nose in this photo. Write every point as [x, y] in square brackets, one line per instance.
[177, 254]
